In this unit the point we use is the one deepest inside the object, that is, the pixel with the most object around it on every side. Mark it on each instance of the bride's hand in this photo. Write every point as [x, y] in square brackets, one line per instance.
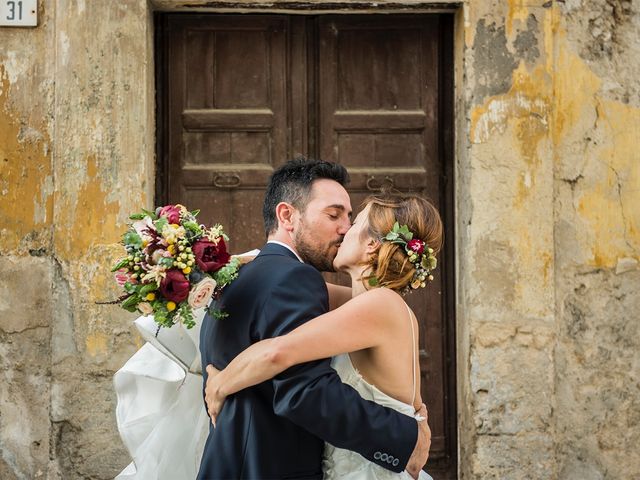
[246, 257]
[212, 394]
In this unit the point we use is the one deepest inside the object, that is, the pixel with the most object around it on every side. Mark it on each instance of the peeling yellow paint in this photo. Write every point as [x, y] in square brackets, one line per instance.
[96, 343]
[561, 101]
[607, 195]
[576, 87]
[25, 178]
[527, 108]
[610, 206]
[518, 10]
[527, 102]
[86, 217]
[517, 124]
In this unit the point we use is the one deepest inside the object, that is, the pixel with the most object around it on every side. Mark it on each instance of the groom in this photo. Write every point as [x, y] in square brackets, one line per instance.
[277, 429]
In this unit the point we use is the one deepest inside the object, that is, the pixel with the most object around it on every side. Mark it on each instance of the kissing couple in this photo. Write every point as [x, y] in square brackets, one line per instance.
[308, 380]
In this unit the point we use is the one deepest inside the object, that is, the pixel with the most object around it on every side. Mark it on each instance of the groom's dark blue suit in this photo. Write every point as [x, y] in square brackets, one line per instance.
[277, 429]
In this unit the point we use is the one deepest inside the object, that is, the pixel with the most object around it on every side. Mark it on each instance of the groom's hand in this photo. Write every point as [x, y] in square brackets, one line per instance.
[420, 453]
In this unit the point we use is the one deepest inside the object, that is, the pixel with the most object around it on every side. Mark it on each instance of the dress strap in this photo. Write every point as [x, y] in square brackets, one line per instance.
[413, 353]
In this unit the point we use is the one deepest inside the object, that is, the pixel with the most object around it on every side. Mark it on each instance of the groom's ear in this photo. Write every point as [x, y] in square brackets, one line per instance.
[286, 215]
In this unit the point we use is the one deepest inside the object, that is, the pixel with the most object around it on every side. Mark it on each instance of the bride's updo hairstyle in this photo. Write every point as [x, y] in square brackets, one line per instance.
[389, 265]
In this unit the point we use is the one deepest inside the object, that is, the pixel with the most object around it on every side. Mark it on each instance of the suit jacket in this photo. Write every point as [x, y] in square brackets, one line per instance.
[277, 429]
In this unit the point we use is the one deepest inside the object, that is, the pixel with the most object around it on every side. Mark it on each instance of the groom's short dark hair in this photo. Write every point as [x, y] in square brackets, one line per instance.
[292, 183]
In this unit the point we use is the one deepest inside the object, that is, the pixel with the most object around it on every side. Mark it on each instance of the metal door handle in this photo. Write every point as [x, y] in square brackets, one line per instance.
[227, 181]
[375, 185]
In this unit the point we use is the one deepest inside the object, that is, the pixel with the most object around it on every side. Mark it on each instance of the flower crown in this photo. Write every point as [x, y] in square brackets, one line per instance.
[419, 253]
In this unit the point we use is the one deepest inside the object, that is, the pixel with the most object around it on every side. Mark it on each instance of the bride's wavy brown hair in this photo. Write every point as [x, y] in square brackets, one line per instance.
[390, 265]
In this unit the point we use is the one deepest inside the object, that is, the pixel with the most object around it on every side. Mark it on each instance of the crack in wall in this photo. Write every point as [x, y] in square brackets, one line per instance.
[622, 209]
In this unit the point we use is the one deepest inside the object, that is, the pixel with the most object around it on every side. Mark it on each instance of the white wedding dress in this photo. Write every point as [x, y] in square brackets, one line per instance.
[163, 422]
[160, 413]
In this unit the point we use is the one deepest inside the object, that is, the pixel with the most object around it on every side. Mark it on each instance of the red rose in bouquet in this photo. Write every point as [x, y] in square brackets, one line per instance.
[210, 256]
[175, 286]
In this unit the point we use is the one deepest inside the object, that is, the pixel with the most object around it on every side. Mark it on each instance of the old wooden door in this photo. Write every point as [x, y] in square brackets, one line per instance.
[239, 95]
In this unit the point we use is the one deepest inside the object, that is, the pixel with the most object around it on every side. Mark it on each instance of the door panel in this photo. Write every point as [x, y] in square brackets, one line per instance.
[378, 115]
[378, 78]
[241, 94]
[227, 114]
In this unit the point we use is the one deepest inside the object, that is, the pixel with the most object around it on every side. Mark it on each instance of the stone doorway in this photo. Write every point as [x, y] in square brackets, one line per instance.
[240, 94]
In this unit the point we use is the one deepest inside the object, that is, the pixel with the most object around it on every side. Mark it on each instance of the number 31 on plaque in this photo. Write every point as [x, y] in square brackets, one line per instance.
[18, 13]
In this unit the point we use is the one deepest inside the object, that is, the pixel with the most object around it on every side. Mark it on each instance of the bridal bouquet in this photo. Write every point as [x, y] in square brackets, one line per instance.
[173, 265]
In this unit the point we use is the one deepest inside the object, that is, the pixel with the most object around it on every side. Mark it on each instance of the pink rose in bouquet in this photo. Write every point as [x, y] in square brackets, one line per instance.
[122, 276]
[171, 213]
[202, 292]
[143, 227]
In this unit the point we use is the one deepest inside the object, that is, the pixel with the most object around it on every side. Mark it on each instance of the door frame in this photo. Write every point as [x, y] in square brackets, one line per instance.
[449, 146]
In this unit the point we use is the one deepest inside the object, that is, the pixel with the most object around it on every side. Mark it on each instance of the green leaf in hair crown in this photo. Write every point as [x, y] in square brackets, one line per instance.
[399, 234]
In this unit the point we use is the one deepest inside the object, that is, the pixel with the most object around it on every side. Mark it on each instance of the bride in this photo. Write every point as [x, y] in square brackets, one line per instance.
[372, 338]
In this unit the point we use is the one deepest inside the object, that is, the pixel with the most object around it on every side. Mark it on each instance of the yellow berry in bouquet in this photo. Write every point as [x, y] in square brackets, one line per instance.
[171, 306]
[151, 296]
[186, 270]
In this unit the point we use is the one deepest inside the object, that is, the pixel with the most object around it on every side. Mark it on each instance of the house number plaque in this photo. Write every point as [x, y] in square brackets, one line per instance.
[18, 13]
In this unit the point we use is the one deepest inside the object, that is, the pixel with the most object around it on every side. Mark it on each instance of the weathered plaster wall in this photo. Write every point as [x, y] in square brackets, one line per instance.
[508, 276]
[548, 232]
[550, 285]
[597, 212]
[77, 155]
[27, 269]
[104, 151]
